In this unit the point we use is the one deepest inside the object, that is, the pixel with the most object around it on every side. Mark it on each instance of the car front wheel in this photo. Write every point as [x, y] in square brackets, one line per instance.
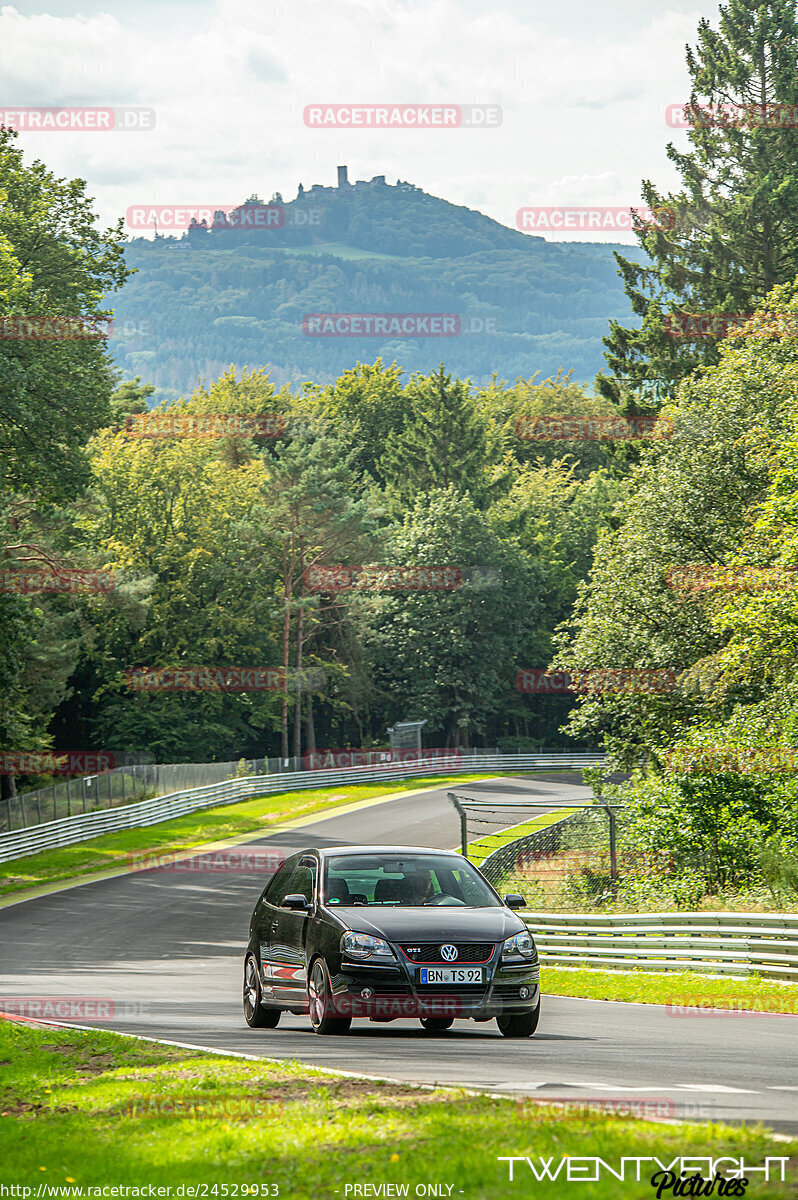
[320, 1003]
[519, 1025]
[256, 1016]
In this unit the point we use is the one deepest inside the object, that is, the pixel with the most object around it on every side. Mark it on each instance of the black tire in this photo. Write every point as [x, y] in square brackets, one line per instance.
[436, 1024]
[255, 1015]
[519, 1025]
[320, 1001]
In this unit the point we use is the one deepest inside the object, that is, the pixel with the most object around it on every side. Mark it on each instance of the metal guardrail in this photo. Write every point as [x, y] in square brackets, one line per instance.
[728, 943]
[79, 828]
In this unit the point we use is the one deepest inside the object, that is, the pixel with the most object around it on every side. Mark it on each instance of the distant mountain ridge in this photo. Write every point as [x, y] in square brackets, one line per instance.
[228, 292]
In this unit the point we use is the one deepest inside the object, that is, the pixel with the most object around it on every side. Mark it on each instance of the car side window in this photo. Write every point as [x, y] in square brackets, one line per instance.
[303, 882]
[467, 889]
[280, 886]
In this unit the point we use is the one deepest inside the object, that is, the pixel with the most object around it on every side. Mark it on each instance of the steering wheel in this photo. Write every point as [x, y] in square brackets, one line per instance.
[446, 899]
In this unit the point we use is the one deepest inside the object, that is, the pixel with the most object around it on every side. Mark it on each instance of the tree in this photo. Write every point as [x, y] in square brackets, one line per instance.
[735, 222]
[690, 504]
[53, 263]
[317, 519]
[447, 655]
[53, 395]
[447, 441]
[367, 408]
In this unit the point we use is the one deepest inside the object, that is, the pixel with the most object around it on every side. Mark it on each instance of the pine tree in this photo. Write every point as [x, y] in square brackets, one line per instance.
[734, 224]
[447, 440]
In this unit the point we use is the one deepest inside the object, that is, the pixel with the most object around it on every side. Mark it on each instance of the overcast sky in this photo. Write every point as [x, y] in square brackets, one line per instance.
[583, 86]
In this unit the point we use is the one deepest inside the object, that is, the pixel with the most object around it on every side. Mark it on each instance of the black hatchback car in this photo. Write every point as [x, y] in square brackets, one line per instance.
[384, 933]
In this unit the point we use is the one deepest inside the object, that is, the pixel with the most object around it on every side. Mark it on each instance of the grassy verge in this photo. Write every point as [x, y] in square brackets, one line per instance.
[211, 825]
[91, 1109]
[680, 988]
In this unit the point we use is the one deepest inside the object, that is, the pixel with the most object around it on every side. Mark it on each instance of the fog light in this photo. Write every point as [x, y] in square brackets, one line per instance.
[524, 993]
[366, 993]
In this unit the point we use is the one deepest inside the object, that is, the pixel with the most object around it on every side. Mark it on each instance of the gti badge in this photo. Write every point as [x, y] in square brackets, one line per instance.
[448, 953]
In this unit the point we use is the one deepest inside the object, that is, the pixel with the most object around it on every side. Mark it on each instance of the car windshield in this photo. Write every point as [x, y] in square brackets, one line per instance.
[406, 881]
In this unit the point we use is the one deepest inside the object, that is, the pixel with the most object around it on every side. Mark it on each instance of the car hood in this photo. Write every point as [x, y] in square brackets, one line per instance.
[430, 924]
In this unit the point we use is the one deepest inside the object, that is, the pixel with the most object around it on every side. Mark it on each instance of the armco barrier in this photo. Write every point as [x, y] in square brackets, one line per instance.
[729, 943]
[80, 828]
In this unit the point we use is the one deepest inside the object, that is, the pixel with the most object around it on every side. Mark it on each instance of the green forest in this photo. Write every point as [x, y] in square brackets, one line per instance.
[600, 556]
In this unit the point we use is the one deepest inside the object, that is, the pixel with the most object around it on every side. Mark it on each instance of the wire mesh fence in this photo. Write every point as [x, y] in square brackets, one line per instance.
[111, 789]
[568, 856]
[144, 781]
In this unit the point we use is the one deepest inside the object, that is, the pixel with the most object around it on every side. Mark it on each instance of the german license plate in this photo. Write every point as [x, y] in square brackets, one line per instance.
[450, 975]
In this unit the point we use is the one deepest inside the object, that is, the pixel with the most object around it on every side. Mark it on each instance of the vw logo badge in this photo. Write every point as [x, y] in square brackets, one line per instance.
[448, 953]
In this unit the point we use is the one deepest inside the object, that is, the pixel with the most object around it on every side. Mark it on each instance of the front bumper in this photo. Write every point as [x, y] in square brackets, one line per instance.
[385, 992]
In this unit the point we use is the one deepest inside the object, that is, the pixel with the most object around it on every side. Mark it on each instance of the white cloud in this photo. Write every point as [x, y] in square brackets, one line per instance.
[583, 105]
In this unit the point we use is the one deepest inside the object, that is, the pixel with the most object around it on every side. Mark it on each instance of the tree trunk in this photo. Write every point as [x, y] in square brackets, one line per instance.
[300, 623]
[310, 731]
[286, 647]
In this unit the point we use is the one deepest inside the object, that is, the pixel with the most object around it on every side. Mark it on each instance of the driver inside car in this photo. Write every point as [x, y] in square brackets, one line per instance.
[418, 888]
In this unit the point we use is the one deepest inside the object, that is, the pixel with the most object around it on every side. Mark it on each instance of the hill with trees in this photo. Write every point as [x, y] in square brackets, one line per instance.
[225, 292]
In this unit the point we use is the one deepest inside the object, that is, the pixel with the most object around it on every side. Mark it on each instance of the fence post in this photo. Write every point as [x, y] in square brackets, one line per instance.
[39, 804]
[69, 799]
[613, 842]
[463, 823]
[124, 793]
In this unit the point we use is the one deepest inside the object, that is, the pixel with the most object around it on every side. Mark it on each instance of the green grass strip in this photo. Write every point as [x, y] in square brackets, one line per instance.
[682, 989]
[92, 1109]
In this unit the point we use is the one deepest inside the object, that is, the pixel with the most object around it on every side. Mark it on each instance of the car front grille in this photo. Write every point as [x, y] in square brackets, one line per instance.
[430, 952]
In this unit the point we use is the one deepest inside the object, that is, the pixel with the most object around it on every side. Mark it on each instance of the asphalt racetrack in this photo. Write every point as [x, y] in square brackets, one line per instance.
[163, 949]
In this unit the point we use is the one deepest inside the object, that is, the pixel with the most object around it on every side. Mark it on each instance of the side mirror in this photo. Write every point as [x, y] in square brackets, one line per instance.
[296, 902]
[513, 900]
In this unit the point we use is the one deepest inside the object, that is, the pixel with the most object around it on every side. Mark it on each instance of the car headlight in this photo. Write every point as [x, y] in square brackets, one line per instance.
[363, 945]
[522, 944]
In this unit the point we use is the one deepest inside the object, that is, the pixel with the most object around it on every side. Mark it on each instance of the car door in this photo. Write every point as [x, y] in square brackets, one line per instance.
[288, 947]
[265, 921]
